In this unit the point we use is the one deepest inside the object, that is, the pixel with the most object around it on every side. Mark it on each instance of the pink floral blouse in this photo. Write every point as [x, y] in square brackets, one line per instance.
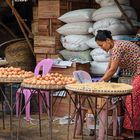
[128, 54]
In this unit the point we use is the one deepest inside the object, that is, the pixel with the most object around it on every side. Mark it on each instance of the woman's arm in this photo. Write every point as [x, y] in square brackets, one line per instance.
[112, 68]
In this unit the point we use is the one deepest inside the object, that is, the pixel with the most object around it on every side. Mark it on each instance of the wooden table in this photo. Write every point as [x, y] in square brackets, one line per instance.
[38, 89]
[106, 94]
[9, 102]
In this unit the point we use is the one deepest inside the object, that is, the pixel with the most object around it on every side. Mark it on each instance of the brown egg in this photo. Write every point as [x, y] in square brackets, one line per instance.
[59, 83]
[52, 82]
[38, 76]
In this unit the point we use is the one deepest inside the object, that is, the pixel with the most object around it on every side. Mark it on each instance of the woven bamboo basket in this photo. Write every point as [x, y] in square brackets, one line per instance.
[18, 54]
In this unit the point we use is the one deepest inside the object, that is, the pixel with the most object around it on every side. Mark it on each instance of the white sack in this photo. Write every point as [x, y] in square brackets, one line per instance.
[92, 43]
[114, 25]
[99, 55]
[98, 51]
[81, 15]
[79, 28]
[103, 3]
[100, 58]
[75, 42]
[98, 68]
[113, 12]
[76, 55]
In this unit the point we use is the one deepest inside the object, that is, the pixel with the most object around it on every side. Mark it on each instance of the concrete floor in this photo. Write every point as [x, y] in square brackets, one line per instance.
[30, 131]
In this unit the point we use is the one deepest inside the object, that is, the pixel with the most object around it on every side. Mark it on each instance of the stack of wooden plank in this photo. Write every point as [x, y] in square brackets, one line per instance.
[46, 39]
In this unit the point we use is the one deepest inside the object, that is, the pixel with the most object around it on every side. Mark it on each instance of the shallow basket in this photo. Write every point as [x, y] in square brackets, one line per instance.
[91, 91]
[18, 54]
[43, 87]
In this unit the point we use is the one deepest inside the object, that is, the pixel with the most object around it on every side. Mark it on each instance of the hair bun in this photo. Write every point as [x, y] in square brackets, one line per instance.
[102, 35]
[107, 32]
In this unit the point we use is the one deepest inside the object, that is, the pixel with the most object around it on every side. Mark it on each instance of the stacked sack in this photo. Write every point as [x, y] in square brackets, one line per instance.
[75, 34]
[109, 17]
[100, 63]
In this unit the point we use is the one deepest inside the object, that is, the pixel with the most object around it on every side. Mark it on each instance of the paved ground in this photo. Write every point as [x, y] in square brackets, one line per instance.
[30, 131]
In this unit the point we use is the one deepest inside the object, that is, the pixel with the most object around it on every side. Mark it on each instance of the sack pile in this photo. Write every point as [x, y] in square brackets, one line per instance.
[75, 34]
[78, 34]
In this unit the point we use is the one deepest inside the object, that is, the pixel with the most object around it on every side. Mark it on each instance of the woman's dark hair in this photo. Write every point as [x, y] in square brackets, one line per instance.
[103, 35]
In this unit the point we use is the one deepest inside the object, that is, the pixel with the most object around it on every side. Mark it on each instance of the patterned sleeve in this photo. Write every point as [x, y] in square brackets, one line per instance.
[116, 53]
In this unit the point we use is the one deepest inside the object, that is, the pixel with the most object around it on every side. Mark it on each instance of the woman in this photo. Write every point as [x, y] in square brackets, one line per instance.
[126, 55]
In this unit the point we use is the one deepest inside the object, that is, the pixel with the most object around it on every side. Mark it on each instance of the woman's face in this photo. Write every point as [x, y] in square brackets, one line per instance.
[105, 45]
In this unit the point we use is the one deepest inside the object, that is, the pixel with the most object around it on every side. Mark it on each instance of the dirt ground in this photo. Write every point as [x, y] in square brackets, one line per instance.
[29, 131]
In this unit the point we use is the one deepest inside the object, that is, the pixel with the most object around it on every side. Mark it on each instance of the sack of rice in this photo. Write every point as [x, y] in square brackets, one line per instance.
[92, 43]
[99, 55]
[100, 58]
[117, 27]
[81, 15]
[79, 28]
[75, 42]
[111, 2]
[76, 55]
[113, 12]
[99, 68]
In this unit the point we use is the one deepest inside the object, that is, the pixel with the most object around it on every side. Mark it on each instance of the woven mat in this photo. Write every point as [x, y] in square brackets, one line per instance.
[45, 87]
[92, 88]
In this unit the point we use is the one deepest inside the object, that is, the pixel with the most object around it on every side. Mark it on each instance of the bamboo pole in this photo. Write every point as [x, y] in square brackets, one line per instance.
[19, 17]
[21, 22]
[124, 14]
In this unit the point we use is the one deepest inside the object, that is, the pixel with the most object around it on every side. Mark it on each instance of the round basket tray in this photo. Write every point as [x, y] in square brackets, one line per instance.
[10, 80]
[45, 87]
[101, 88]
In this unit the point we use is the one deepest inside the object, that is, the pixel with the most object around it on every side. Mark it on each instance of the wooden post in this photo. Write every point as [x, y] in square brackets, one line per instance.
[19, 17]
[21, 22]
[50, 27]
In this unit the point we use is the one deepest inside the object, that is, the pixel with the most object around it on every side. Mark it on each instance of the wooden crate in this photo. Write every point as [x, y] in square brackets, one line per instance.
[53, 56]
[48, 9]
[43, 26]
[40, 57]
[44, 41]
[44, 50]
[35, 27]
[35, 12]
[49, 27]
